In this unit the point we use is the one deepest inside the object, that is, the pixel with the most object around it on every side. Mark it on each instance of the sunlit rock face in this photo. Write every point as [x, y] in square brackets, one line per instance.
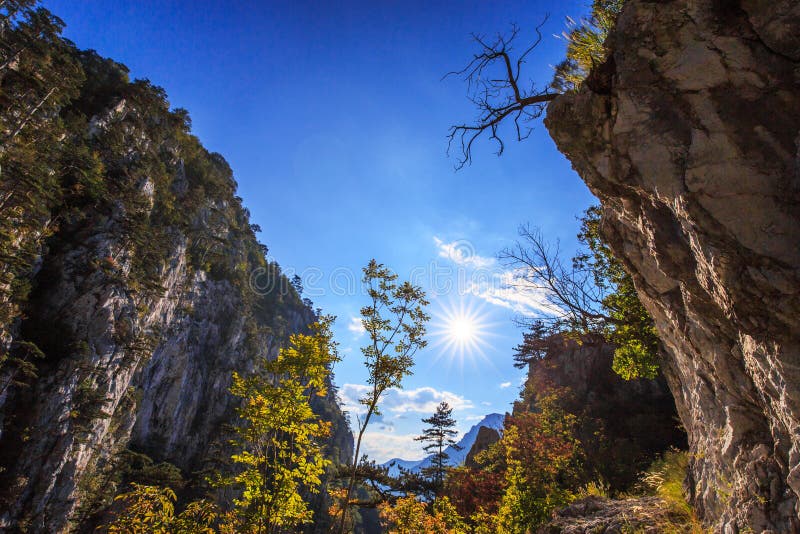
[691, 141]
[132, 361]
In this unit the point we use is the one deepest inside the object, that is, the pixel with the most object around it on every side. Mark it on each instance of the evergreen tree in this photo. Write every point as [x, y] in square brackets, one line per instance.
[438, 436]
[534, 344]
[38, 76]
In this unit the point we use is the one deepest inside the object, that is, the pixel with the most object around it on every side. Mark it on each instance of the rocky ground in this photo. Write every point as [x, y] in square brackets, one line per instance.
[598, 515]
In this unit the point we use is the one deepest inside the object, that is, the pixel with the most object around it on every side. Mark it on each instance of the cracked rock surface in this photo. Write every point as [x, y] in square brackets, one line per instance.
[693, 149]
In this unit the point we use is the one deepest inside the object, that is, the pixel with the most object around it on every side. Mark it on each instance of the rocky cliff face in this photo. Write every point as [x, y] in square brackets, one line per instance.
[144, 301]
[486, 438]
[623, 424]
[689, 135]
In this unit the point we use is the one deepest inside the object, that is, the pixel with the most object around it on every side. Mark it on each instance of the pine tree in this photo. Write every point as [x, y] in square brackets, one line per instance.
[38, 76]
[438, 436]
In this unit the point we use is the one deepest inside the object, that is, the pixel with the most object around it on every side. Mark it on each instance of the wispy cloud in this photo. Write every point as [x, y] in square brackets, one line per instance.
[356, 326]
[508, 289]
[504, 385]
[402, 401]
[489, 280]
[462, 253]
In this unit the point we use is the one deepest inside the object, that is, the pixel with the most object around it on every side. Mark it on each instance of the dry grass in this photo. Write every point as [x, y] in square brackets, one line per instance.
[665, 479]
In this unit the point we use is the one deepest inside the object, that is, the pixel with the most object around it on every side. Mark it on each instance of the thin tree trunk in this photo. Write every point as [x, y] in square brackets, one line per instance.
[352, 483]
[30, 116]
[440, 473]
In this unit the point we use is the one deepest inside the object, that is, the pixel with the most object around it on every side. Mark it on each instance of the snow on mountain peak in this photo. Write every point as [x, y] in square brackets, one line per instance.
[455, 457]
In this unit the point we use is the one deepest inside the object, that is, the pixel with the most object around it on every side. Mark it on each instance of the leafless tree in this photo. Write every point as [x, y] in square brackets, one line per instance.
[493, 81]
[575, 300]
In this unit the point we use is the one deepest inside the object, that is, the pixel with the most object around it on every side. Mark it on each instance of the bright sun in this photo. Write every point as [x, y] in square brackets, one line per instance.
[459, 333]
[462, 329]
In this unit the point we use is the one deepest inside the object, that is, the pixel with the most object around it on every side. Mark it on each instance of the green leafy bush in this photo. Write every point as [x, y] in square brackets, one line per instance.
[627, 323]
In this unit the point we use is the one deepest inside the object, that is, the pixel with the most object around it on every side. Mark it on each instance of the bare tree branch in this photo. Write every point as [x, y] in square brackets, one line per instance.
[497, 97]
[574, 299]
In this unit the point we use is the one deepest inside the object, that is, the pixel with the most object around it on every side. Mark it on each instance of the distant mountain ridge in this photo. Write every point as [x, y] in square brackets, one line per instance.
[455, 456]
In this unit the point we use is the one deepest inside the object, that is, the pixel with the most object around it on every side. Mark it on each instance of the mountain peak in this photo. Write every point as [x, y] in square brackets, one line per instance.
[455, 456]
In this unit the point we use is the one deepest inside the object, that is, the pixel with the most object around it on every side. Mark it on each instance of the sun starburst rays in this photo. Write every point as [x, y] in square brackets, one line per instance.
[459, 334]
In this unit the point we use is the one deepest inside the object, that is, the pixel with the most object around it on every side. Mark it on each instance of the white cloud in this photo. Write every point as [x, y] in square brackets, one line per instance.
[349, 395]
[463, 253]
[356, 326]
[383, 446]
[486, 403]
[489, 281]
[474, 417]
[509, 290]
[504, 385]
[401, 401]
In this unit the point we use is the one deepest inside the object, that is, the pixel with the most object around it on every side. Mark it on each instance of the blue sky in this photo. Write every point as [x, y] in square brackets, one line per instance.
[334, 118]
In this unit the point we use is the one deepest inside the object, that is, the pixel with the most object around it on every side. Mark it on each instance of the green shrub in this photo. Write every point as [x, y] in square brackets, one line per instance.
[586, 44]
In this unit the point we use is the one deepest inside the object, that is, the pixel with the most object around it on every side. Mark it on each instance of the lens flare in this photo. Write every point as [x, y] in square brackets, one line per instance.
[459, 333]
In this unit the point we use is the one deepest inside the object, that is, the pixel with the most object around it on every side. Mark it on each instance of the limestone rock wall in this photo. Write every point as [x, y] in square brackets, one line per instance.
[486, 438]
[693, 147]
[144, 302]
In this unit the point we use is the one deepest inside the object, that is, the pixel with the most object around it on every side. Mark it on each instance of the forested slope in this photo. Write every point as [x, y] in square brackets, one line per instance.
[131, 286]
